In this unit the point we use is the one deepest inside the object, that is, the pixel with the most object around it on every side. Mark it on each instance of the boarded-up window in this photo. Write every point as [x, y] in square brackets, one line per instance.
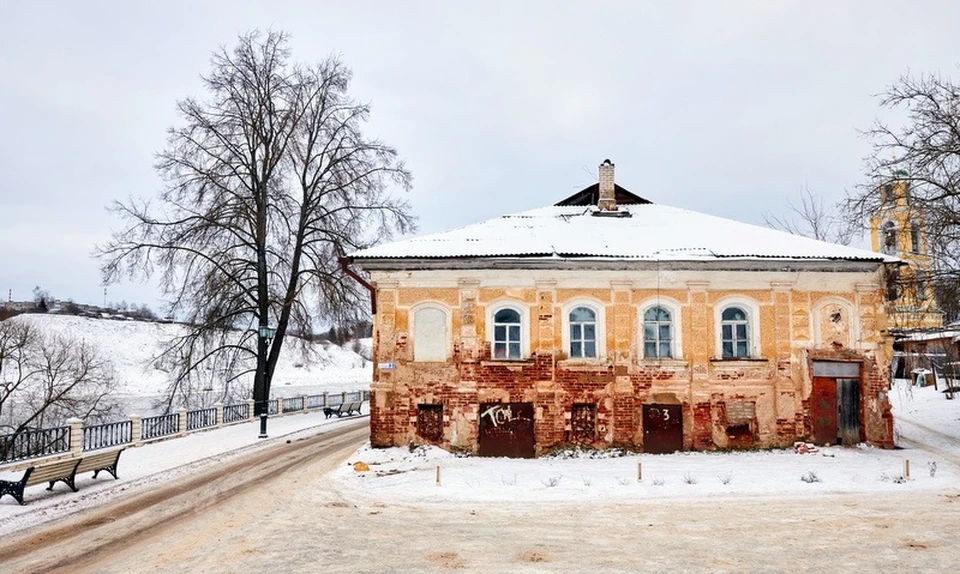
[430, 335]
[741, 412]
[430, 422]
[583, 423]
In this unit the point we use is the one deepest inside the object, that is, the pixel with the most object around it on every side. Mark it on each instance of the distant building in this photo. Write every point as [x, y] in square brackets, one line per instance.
[609, 320]
[897, 229]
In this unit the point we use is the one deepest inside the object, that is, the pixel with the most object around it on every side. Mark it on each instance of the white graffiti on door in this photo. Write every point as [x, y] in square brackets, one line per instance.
[498, 414]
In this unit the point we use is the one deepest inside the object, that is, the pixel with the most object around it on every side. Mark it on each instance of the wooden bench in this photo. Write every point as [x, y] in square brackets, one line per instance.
[106, 460]
[64, 471]
[343, 409]
[60, 471]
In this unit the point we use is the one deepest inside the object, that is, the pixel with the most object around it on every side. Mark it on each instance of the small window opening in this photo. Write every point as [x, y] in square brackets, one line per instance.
[430, 423]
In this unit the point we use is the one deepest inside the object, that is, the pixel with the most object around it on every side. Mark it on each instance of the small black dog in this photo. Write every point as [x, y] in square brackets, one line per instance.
[329, 412]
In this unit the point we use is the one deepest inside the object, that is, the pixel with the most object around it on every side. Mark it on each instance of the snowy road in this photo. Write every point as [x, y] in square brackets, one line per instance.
[282, 512]
[278, 508]
[185, 514]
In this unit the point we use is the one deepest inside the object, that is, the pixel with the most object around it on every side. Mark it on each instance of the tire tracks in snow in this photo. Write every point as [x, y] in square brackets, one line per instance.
[86, 537]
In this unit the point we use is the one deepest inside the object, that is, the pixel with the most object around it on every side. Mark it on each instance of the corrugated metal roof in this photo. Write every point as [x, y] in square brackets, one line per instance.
[650, 231]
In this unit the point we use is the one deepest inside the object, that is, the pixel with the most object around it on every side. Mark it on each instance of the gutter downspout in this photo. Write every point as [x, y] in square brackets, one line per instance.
[345, 265]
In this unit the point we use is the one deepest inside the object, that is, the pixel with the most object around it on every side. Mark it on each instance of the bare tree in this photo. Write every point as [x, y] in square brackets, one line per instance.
[48, 378]
[269, 180]
[924, 153]
[813, 218]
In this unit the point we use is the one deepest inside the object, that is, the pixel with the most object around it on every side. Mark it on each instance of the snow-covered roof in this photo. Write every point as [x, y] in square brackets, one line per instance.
[935, 335]
[635, 232]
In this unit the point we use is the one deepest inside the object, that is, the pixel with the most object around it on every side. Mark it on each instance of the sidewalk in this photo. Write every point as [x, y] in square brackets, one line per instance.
[155, 463]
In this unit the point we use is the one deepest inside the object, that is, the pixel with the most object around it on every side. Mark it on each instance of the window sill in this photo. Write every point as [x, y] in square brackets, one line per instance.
[582, 364]
[507, 362]
[656, 362]
[739, 360]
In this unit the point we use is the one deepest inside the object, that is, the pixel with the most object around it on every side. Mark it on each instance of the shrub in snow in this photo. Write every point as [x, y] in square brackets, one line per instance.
[932, 466]
[509, 481]
[587, 481]
[623, 481]
[810, 477]
[552, 481]
[895, 478]
[658, 482]
[725, 478]
[689, 478]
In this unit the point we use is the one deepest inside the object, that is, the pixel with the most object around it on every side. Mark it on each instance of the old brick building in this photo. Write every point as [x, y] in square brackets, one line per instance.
[609, 320]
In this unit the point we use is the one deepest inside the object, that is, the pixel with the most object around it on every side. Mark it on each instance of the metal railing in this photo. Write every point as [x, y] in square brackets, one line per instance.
[201, 419]
[316, 401]
[34, 443]
[107, 435]
[156, 427]
[292, 404]
[234, 413]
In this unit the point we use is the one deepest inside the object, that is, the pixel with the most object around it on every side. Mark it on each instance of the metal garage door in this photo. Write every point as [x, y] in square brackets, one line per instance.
[662, 428]
[506, 429]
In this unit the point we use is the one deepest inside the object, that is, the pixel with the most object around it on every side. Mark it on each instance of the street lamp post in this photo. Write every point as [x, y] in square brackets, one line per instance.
[266, 334]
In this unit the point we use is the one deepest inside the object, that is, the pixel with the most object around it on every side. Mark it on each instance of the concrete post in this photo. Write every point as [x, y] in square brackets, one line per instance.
[303, 403]
[343, 400]
[326, 399]
[136, 428]
[76, 436]
[182, 421]
[279, 407]
[219, 407]
[250, 405]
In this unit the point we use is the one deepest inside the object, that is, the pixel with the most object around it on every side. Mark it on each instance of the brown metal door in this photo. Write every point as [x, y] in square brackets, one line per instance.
[662, 428]
[506, 429]
[824, 410]
[848, 410]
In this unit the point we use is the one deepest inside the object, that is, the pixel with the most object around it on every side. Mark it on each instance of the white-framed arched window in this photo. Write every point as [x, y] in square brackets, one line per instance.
[508, 327]
[659, 329]
[430, 330]
[584, 331]
[738, 328]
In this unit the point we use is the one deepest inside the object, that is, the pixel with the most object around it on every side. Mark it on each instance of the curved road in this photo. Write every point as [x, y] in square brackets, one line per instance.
[243, 486]
[276, 511]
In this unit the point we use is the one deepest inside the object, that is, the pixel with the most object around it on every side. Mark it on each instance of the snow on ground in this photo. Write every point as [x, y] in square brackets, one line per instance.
[133, 346]
[154, 463]
[402, 475]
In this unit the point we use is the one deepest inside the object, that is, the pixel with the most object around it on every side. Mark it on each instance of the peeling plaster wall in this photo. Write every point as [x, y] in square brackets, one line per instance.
[759, 402]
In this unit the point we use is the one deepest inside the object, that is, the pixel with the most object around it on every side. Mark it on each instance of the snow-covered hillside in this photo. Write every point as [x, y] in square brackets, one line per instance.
[133, 346]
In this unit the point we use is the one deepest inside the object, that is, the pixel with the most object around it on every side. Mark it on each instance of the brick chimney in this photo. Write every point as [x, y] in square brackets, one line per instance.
[608, 200]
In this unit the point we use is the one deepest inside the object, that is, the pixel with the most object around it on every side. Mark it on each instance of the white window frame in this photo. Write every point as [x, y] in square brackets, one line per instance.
[600, 310]
[752, 309]
[524, 312]
[448, 326]
[676, 316]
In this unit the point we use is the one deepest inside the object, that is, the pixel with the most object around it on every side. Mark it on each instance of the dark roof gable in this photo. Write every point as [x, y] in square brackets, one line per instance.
[590, 195]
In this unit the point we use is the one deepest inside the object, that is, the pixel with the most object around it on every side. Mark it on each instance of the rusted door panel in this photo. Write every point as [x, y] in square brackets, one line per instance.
[662, 428]
[824, 410]
[848, 410]
[506, 429]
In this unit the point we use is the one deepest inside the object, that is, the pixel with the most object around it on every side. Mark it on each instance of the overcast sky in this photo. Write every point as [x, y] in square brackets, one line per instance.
[726, 108]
